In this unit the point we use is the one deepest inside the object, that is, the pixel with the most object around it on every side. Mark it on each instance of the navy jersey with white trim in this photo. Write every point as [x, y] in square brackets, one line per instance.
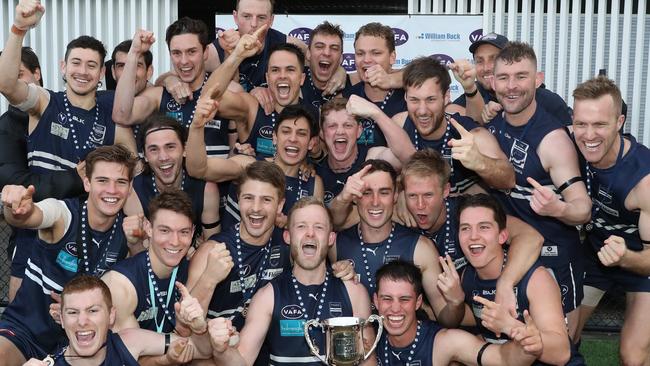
[51, 145]
[520, 144]
[49, 268]
[609, 192]
[227, 298]
[285, 337]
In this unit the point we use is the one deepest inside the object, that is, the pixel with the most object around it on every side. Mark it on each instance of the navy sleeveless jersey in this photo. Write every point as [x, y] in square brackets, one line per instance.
[51, 146]
[285, 337]
[461, 178]
[446, 238]
[216, 130]
[520, 144]
[49, 268]
[551, 102]
[333, 183]
[422, 354]
[135, 269]
[261, 135]
[143, 185]
[474, 286]
[609, 192]
[392, 104]
[227, 298]
[117, 354]
[402, 246]
[252, 71]
[295, 189]
[313, 96]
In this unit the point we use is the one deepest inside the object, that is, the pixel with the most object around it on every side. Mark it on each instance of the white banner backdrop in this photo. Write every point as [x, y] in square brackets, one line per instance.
[446, 37]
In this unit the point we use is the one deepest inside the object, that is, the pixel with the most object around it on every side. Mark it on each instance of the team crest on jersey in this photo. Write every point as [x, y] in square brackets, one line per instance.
[518, 155]
[292, 311]
[603, 201]
[62, 118]
[336, 309]
[274, 256]
[266, 132]
[328, 196]
[172, 106]
[97, 134]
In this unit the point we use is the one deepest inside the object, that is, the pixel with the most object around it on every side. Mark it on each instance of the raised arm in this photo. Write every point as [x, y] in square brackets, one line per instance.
[51, 217]
[341, 206]
[197, 163]
[442, 288]
[397, 140]
[128, 108]
[252, 335]
[559, 157]
[32, 99]
[479, 151]
[465, 74]
[247, 46]
[210, 265]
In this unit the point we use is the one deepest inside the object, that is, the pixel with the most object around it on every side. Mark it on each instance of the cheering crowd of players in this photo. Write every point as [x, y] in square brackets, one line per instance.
[257, 186]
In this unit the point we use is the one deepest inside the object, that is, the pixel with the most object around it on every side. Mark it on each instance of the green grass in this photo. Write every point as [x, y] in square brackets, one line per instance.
[600, 351]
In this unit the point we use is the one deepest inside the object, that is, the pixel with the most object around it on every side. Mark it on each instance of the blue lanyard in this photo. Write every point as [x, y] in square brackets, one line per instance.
[170, 291]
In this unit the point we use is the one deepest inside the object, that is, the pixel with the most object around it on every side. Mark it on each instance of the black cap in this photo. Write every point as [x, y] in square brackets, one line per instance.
[492, 38]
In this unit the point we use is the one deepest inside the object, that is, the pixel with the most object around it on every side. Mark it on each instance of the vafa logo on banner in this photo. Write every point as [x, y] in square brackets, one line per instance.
[445, 37]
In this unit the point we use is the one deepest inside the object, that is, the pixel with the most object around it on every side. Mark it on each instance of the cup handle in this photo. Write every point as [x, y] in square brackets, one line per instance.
[380, 328]
[308, 324]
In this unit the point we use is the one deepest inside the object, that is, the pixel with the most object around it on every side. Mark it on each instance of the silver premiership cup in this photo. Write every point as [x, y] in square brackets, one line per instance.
[344, 343]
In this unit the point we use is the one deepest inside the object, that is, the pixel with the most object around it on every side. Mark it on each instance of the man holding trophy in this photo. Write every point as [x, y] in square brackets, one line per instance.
[279, 310]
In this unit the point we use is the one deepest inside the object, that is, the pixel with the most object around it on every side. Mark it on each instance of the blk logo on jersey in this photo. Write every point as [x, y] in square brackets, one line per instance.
[266, 132]
[292, 311]
[172, 106]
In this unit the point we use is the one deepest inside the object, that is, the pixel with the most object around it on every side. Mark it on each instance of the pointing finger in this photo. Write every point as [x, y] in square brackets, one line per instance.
[534, 183]
[258, 33]
[463, 132]
[363, 172]
[482, 300]
[185, 293]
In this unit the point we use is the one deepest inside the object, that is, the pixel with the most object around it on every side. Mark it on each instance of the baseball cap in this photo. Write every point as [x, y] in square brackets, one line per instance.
[492, 38]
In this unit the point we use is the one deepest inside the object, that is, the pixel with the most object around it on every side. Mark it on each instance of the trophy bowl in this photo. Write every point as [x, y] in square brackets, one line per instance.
[344, 340]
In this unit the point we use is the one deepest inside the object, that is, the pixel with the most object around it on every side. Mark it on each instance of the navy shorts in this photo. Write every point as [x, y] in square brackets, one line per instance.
[22, 339]
[605, 278]
[569, 279]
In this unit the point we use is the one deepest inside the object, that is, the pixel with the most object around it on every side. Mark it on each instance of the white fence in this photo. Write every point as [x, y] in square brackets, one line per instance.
[110, 21]
[572, 44]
